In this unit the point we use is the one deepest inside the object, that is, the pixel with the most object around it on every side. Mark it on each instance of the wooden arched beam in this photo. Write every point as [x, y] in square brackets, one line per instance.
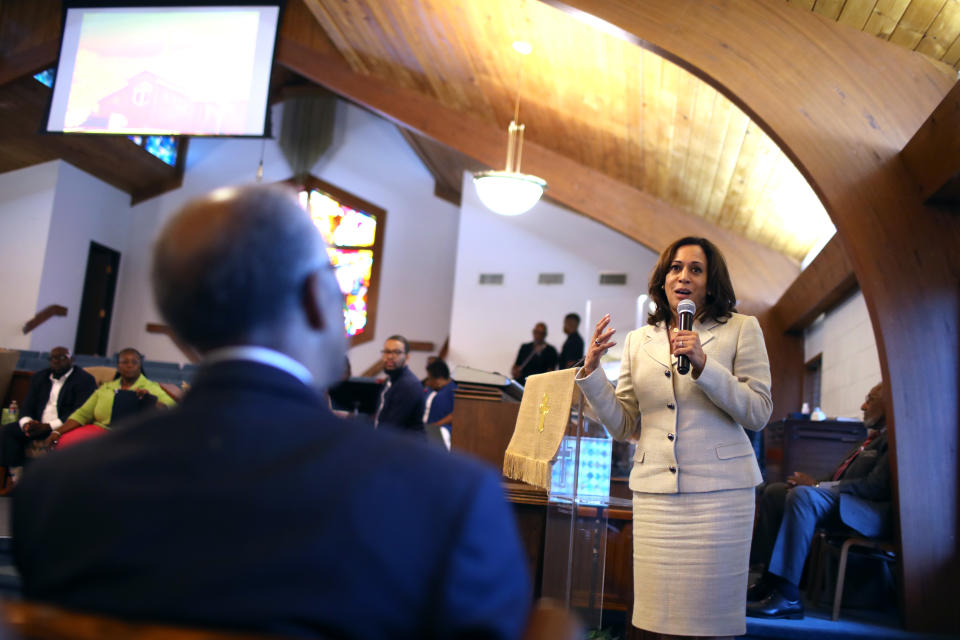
[842, 104]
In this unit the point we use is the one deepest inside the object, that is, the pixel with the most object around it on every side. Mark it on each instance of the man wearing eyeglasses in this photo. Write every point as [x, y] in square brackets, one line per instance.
[54, 394]
[401, 399]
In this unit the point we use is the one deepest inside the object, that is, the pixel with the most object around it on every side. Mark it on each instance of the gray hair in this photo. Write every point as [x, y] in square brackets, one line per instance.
[234, 263]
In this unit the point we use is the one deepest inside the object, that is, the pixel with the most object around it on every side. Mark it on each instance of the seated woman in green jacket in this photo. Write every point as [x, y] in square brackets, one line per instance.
[92, 419]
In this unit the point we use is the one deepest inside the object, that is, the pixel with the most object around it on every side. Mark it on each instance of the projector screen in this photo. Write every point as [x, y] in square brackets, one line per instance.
[198, 71]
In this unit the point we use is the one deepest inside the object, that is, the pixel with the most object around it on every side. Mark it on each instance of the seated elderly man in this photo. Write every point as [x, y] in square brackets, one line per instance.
[250, 505]
[856, 495]
[54, 394]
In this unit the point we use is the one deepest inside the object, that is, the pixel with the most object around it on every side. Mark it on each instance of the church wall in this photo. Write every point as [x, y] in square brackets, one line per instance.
[416, 286]
[368, 157]
[490, 322]
[26, 205]
[851, 362]
[84, 210]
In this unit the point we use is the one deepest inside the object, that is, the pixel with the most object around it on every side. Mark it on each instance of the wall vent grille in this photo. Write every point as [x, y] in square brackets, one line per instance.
[491, 278]
[613, 278]
[550, 278]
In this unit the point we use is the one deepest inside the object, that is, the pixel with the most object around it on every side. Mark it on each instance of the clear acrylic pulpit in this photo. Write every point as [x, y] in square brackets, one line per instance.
[578, 505]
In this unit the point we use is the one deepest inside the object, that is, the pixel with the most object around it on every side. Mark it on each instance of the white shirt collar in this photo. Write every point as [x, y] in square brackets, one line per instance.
[262, 355]
[62, 378]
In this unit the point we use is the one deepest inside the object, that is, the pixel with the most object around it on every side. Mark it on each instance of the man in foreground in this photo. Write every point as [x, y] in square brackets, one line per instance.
[251, 506]
[856, 495]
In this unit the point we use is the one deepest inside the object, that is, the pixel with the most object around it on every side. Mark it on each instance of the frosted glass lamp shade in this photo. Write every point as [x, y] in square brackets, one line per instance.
[507, 192]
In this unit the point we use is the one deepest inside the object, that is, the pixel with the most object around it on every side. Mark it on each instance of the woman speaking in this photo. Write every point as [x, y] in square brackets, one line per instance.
[694, 468]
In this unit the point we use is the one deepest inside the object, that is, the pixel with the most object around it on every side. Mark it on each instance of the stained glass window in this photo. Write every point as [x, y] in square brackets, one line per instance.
[350, 231]
[163, 147]
[45, 77]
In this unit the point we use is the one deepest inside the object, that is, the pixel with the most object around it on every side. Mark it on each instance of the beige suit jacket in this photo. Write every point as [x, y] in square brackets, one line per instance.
[689, 433]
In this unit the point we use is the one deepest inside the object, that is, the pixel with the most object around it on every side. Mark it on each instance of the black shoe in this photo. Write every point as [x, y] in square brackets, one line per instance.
[758, 591]
[776, 605]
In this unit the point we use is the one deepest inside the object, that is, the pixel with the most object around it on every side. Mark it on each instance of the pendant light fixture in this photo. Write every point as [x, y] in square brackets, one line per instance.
[510, 192]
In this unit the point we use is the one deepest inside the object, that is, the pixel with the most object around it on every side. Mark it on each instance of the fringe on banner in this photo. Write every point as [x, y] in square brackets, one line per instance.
[529, 470]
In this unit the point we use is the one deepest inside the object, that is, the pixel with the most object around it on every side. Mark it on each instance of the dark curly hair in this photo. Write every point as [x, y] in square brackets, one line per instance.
[721, 300]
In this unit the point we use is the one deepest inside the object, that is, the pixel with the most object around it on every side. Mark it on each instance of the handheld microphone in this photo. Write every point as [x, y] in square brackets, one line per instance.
[685, 311]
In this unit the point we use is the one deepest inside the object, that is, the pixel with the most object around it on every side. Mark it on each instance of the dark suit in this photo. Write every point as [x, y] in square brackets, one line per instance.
[572, 350]
[78, 386]
[401, 401]
[251, 506]
[787, 519]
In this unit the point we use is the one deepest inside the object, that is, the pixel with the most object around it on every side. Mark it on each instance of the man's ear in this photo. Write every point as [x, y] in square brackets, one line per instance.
[313, 301]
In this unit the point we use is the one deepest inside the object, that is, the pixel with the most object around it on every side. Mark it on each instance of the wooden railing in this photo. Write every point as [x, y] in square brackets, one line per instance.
[43, 316]
[187, 350]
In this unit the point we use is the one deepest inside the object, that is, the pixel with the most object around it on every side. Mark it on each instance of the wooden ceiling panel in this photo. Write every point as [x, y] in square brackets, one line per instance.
[913, 24]
[602, 102]
[884, 17]
[929, 27]
[598, 100]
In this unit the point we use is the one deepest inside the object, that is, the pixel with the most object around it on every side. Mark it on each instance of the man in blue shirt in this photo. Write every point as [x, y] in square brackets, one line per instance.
[438, 398]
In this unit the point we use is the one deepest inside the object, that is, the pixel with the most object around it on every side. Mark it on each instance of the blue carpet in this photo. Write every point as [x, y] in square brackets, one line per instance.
[853, 625]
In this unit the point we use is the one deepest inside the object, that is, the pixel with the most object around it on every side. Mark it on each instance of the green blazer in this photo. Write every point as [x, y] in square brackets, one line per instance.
[99, 407]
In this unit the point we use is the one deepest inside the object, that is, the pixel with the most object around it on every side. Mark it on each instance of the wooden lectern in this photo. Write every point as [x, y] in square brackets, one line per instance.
[483, 419]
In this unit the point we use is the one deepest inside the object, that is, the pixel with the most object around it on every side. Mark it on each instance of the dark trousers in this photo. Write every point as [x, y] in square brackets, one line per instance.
[13, 443]
[769, 514]
[804, 509]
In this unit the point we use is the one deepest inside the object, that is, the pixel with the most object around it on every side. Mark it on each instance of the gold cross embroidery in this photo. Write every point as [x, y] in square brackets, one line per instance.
[544, 410]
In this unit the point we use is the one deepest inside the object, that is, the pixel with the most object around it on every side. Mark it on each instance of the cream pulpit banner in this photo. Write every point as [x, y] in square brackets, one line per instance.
[541, 424]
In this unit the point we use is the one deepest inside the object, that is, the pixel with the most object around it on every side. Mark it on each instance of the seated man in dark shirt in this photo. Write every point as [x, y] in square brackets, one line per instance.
[401, 400]
[572, 349]
[54, 394]
[534, 357]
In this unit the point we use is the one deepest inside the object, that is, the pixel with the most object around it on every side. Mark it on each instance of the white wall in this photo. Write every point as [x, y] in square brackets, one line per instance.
[26, 205]
[490, 322]
[374, 162]
[369, 158]
[851, 363]
[84, 210]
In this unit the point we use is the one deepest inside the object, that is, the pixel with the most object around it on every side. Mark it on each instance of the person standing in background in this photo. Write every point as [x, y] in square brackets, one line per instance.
[534, 357]
[572, 349]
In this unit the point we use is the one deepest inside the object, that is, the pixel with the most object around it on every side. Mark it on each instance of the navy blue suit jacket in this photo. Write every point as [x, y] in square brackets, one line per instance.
[865, 490]
[251, 506]
[79, 386]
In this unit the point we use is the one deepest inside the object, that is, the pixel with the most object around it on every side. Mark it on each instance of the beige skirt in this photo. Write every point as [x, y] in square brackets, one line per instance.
[691, 552]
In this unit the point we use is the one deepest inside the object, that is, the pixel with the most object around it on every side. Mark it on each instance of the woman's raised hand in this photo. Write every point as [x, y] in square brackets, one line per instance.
[598, 345]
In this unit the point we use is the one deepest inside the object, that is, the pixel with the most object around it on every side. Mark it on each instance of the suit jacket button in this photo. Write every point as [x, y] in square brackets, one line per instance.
[670, 437]
[673, 469]
[666, 373]
[670, 406]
